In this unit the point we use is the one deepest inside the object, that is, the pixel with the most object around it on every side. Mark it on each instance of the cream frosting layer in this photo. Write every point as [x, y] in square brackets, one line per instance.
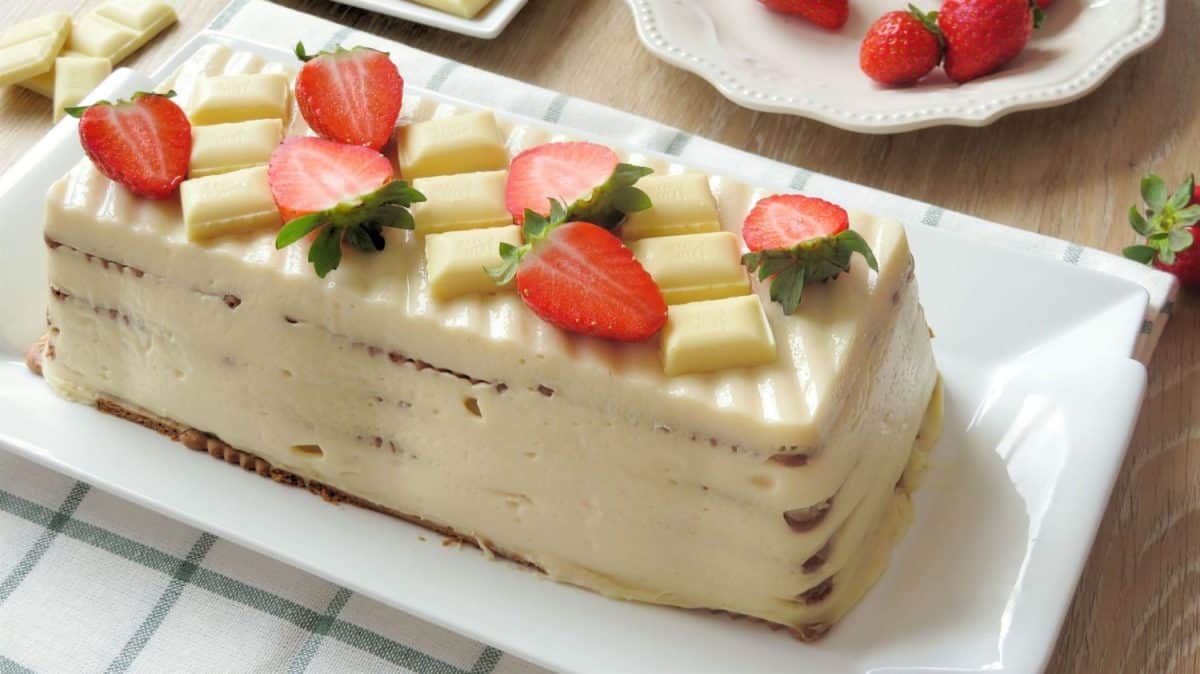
[579, 455]
[596, 501]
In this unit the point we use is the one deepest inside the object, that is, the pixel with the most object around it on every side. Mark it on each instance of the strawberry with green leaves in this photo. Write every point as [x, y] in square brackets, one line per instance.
[144, 143]
[345, 191]
[901, 47]
[588, 176]
[352, 96]
[1169, 223]
[795, 240]
[580, 277]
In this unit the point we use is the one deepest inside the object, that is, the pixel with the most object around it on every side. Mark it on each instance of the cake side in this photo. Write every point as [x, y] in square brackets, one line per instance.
[774, 484]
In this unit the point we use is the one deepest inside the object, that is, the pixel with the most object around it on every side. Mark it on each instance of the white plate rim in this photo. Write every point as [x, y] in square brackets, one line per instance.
[723, 77]
[496, 16]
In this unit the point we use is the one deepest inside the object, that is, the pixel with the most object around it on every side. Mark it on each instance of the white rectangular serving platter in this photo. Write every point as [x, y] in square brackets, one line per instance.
[487, 24]
[1041, 398]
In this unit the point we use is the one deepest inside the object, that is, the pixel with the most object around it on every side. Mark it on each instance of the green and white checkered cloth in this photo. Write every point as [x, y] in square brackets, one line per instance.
[89, 582]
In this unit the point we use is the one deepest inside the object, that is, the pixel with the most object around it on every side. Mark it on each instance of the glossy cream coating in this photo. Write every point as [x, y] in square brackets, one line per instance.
[580, 456]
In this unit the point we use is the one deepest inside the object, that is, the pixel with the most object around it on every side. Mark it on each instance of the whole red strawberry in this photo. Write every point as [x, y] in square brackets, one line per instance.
[983, 35]
[901, 47]
[144, 143]
[580, 277]
[1169, 225]
[352, 96]
[795, 240]
[824, 13]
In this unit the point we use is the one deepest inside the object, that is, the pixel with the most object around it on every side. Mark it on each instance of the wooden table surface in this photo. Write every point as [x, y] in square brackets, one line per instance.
[1070, 172]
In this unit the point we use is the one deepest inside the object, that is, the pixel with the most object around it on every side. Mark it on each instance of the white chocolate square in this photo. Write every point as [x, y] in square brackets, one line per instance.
[228, 203]
[467, 9]
[682, 204]
[28, 49]
[239, 98]
[463, 143]
[118, 28]
[44, 84]
[95, 35]
[221, 148]
[694, 267]
[461, 201]
[75, 77]
[716, 335]
[456, 262]
[139, 15]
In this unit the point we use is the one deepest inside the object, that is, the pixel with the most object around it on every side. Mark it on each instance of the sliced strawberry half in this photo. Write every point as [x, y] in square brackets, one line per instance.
[784, 220]
[580, 277]
[345, 191]
[796, 240]
[144, 143]
[313, 174]
[350, 95]
[565, 172]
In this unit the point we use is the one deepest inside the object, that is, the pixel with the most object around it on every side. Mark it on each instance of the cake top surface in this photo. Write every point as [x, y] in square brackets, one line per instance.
[384, 299]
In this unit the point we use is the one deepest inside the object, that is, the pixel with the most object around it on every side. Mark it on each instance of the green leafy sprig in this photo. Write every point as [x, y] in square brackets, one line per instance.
[1165, 221]
[357, 222]
[814, 260]
[607, 206]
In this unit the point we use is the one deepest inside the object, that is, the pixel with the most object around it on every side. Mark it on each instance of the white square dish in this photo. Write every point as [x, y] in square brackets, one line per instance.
[487, 24]
[1041, 396]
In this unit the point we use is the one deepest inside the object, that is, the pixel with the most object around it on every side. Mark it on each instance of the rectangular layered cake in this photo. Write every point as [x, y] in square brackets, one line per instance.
[743, 460]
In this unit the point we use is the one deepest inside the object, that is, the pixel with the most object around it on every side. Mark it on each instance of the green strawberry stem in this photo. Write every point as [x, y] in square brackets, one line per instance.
[78, 110]
[814, 260]
[358, 222]
[929, 20]
[607, 206]
[1165, 221]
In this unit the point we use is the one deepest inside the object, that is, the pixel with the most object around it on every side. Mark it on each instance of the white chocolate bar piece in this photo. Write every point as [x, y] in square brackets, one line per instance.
[461, 201]
[716, 335]
[467, 9]
[75, 78]
[239, 98]
[221, 148]
[456, 262]
[458, 144]
[682, 204]
[29, 48]
[694, 267]
[118, 28]
[228, 203]
[44, 84]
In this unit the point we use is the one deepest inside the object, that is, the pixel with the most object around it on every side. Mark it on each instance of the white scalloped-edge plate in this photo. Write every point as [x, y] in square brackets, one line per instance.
[767, 61]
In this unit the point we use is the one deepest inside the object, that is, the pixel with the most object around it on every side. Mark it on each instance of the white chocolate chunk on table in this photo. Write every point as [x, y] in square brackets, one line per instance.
[74, 78]
[29, 48]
